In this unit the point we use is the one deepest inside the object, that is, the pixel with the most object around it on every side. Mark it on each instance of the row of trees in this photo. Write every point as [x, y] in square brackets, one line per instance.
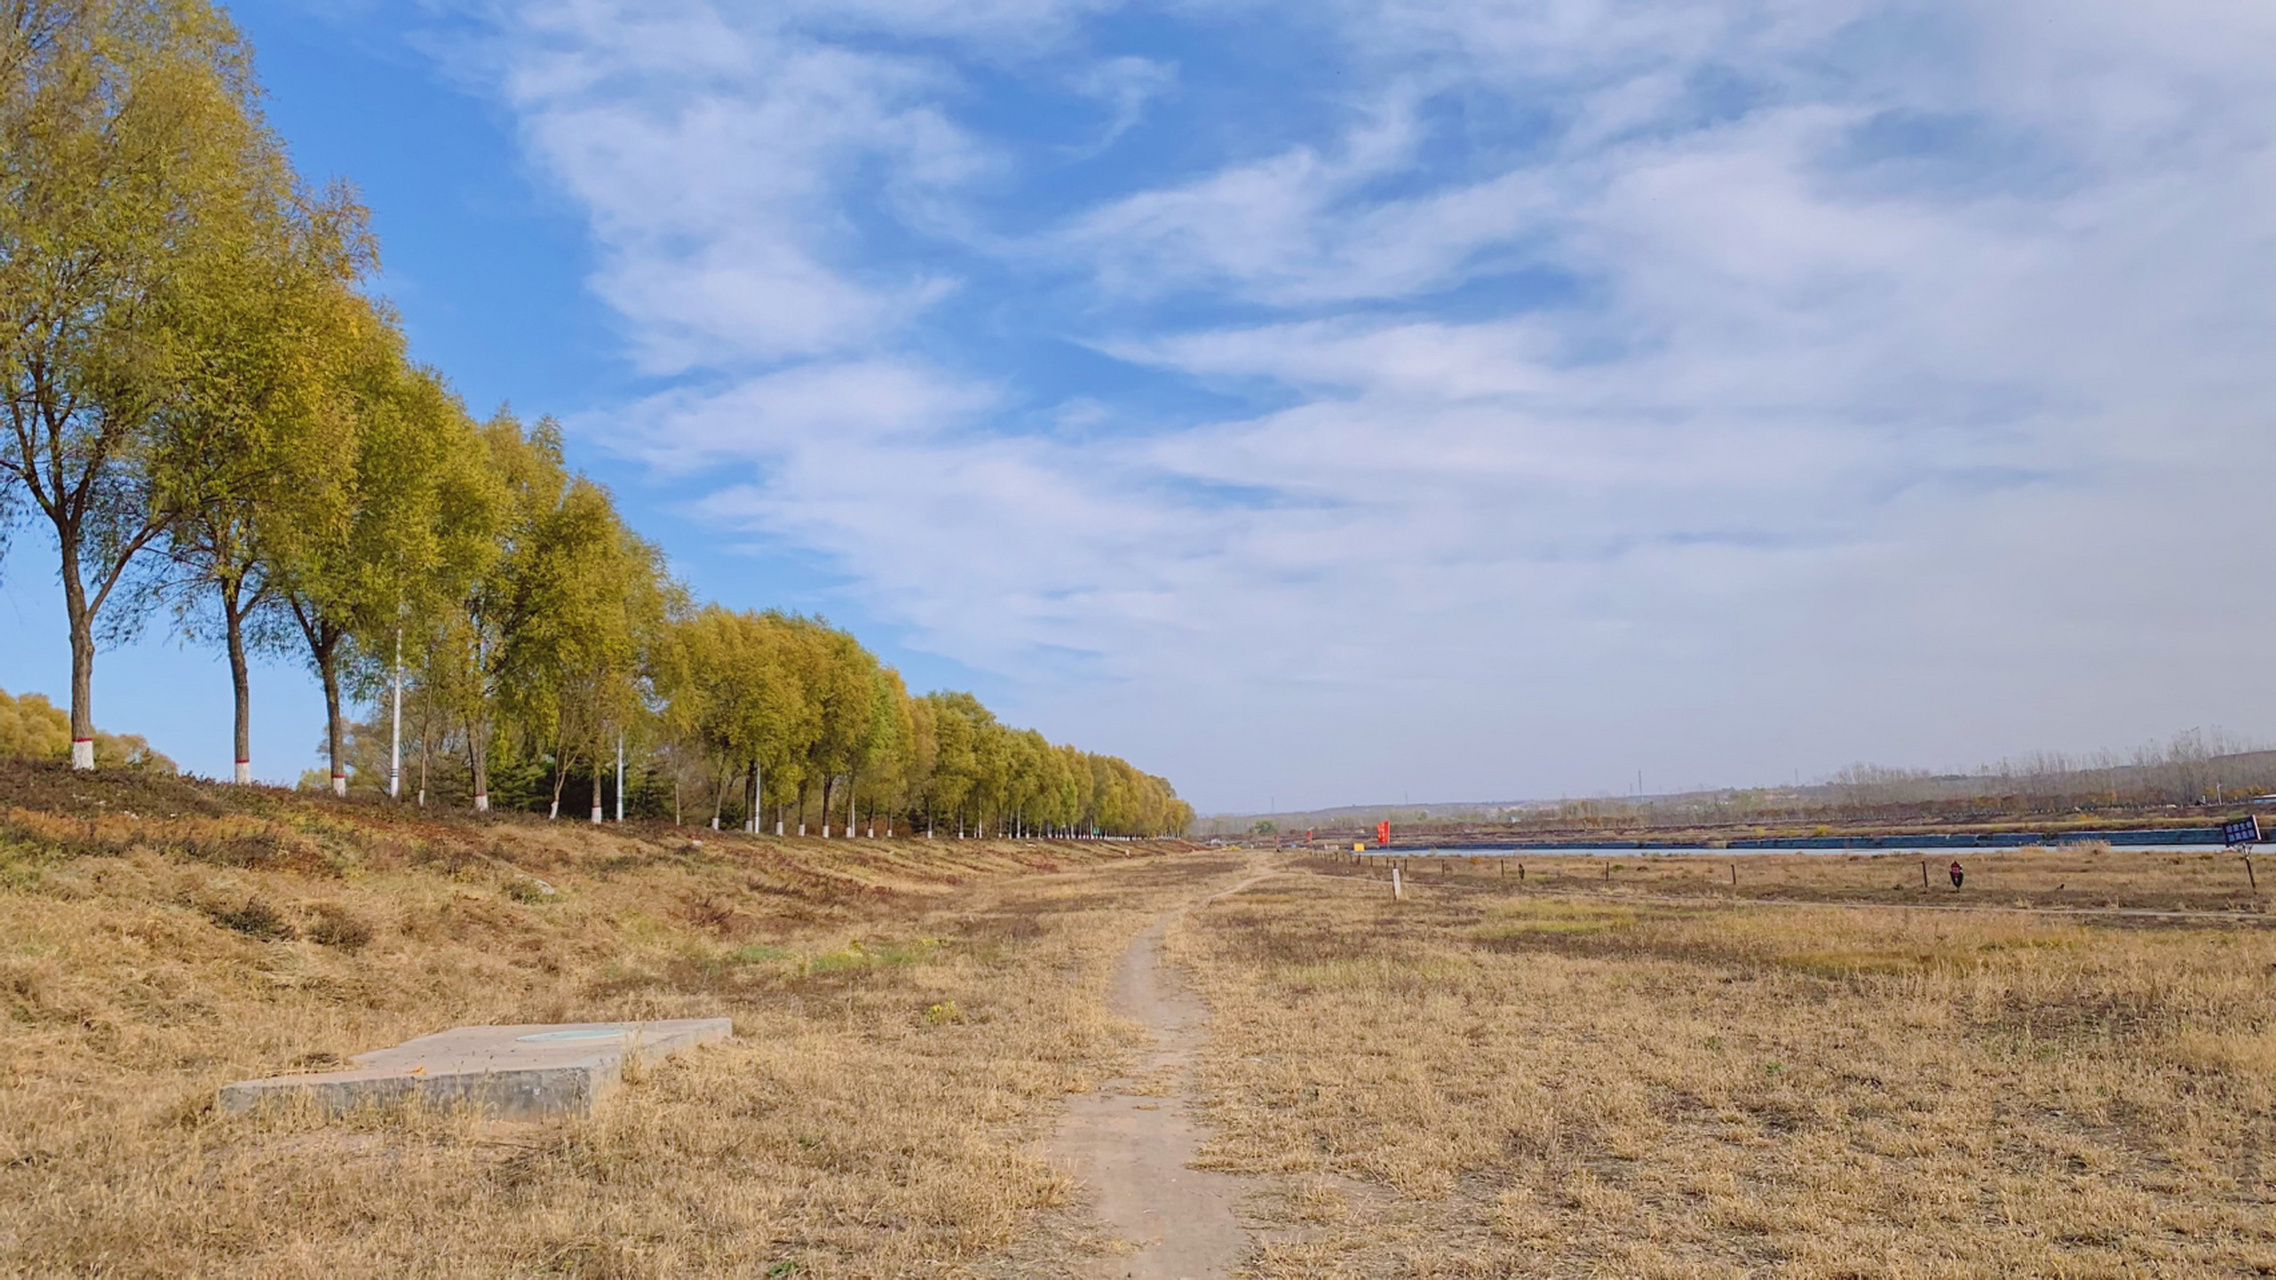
[757, 721]
[218, 425]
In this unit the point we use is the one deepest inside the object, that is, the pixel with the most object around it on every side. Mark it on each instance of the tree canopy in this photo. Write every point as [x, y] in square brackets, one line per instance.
[207, 408]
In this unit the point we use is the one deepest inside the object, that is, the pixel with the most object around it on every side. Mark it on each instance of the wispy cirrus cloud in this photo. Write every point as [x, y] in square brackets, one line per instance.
[1712, 388]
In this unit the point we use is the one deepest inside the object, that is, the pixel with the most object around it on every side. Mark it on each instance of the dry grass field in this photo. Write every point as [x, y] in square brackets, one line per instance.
[1575, 1076]
[1652, 1074]
[2075, 877]
[907, 1018]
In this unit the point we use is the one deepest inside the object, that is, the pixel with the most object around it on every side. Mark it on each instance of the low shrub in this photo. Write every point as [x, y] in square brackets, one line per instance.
[339, 928]
[255, 919]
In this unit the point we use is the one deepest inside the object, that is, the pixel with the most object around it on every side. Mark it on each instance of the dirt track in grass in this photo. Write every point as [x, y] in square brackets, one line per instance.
[1133, 1143]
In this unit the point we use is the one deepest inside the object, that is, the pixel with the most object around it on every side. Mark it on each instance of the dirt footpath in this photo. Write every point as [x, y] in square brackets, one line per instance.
[1132, 1142]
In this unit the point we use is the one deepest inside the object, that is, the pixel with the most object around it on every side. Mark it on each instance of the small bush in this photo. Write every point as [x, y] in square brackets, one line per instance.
[337, 927]
[712, 913]
[255, 919]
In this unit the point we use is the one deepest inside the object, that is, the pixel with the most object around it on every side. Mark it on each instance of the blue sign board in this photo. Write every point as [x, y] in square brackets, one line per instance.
[2241, 831]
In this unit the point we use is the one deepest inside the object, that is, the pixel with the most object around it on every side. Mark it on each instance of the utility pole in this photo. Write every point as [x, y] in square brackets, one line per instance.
[395, 732]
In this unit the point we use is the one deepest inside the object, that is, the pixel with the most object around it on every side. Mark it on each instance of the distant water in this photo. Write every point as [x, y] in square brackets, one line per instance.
[1612, 850]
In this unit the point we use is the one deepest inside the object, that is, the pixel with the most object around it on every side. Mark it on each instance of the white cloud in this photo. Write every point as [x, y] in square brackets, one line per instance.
[1126, 85]
[1807, 381]
[762, 419]
[723, 163]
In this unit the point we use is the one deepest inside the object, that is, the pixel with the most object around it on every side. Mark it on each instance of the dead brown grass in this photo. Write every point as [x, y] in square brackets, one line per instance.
[906, 1014]
[1487, 1082]
[2078, 877]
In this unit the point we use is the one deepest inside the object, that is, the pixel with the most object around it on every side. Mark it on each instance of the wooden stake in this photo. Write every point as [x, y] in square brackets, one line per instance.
[1924, 873]
[1734, 875]
[1397, 890]
[2250, 878]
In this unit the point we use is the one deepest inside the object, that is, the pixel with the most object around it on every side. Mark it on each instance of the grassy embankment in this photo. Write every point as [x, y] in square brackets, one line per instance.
[905, 1014]
[1564, 1078]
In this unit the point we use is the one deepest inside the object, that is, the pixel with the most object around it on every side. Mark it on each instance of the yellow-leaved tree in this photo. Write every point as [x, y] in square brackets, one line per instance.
[124, 125]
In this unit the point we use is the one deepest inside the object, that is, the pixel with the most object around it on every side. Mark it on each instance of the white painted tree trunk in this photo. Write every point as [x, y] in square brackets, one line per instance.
[482, 802]
[82, 753]
[244, 772]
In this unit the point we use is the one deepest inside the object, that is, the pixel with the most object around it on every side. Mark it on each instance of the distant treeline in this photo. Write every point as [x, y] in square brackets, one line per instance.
[2195, 768]
[33, 728]
[219, 426]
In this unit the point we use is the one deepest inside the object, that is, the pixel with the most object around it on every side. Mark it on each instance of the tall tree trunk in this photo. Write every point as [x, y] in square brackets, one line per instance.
[82, 622]
[829, 786]
[478, 730]
[478, 761]
[754, 795]
[335, 721]
[324, 651]
[596, 793]
[240, 681]
[560, 780]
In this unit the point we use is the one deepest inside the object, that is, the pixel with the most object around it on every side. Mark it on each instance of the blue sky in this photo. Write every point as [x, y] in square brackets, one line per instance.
[1332, 401]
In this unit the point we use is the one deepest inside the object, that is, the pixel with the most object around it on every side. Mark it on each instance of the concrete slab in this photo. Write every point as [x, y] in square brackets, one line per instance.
[510, 1073]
